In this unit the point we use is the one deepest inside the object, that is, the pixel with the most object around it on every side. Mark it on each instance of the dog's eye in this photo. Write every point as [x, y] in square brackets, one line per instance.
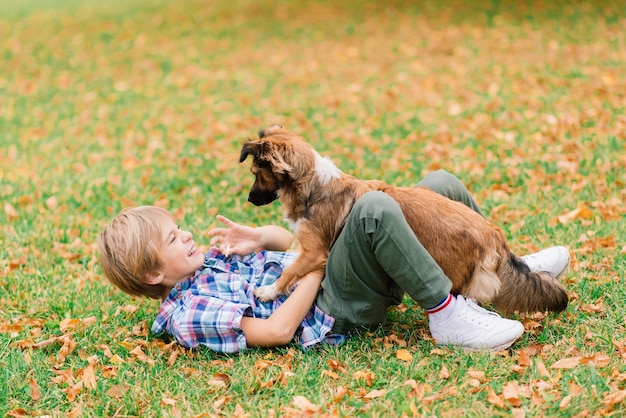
[263, 164]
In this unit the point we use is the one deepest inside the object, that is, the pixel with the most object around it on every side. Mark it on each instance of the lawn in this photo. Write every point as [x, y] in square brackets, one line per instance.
[105, 105]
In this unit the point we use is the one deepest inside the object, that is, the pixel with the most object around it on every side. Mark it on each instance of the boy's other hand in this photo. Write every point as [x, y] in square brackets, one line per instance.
[235, 238]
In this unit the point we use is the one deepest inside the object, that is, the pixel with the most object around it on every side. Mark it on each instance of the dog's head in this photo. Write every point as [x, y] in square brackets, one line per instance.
[280, 159]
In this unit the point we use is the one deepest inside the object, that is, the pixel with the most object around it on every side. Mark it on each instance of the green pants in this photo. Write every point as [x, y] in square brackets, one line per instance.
[377, 258]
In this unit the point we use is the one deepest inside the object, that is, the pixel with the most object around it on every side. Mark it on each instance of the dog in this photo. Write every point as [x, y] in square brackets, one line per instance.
[317, 197]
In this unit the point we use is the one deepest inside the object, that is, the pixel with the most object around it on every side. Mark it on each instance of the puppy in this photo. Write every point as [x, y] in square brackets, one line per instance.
[317, 197]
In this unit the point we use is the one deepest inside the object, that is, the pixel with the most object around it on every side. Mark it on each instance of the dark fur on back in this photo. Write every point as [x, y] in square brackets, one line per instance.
[317, 198]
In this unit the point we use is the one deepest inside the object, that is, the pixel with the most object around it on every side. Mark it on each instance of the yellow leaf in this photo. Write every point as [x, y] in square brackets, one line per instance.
[404, 355]
[330, 374]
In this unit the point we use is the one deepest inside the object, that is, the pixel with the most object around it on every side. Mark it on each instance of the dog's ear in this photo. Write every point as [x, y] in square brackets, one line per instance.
[270, 130]
[250, 148]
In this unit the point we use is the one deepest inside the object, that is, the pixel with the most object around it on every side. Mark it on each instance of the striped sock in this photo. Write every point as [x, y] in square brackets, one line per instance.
[442, 310]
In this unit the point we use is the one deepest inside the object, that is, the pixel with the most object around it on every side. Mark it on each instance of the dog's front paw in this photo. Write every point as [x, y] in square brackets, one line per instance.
[266, 293]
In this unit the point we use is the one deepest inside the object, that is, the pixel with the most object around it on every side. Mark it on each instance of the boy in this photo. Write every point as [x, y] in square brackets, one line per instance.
[207, 299]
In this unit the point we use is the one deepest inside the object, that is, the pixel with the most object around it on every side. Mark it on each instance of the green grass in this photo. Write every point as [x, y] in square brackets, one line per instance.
[110, 104]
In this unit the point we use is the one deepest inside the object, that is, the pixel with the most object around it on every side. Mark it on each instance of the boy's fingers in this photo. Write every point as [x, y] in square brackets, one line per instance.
[225, 220]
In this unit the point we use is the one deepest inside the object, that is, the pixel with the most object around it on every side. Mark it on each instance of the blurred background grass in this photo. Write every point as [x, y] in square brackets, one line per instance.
[106, 105]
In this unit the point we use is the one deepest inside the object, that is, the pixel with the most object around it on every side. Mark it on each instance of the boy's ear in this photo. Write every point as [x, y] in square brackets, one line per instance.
[154, 278]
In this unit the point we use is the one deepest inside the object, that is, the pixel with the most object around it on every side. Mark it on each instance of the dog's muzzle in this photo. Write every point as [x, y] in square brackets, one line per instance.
[261, 197]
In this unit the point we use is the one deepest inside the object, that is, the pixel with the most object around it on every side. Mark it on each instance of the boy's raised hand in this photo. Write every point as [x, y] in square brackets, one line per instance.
[235, 238]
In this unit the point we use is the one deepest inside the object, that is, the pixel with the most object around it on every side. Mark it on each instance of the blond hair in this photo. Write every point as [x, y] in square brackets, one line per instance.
[130, 249]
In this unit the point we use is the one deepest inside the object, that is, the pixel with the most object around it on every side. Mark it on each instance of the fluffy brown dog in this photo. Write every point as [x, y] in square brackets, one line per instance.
[317, 198]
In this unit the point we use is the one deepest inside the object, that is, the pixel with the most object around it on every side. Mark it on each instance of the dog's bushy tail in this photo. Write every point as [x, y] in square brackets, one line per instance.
[524, 291]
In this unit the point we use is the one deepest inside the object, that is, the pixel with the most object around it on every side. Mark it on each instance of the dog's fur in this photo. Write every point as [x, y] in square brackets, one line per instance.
[317, 198]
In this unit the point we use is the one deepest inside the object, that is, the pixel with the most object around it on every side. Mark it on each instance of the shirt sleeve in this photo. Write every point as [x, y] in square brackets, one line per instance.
[210, 322]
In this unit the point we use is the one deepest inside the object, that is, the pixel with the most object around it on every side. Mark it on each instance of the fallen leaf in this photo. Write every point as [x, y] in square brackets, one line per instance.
[613, 399]
[35, 394]
[367, 376]
[598, 360]
[375, 394]
[18, 412]
[330, 374]
[444, 374]
[566, 363]
[404, 355]
[495, 399]
[117, 391]
[10, 211]
[304, 405]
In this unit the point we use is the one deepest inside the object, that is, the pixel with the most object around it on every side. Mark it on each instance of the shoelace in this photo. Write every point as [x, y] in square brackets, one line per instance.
[470, 304]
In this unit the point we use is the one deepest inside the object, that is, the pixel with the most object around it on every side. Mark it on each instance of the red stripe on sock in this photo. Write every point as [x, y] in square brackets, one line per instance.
[441, 306]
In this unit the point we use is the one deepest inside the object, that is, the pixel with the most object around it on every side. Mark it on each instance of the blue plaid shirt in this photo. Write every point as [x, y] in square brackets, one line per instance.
[207, 308]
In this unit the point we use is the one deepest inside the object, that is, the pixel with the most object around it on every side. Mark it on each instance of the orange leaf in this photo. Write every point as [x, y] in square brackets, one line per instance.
[168, 401]
[367, 376]
[335, 365]
[89, 377]
[375, 394]
[524, 359]
[330, 374]
[219, 379]
[117, 391]
[478, 375]
[304, 405]
[565, 402]
[511, 392]
[598, 360]
[18, 412]
[566, 363]
[444, 373]
[68, 324]
[141, 356]
[614, 398]
[35, 394]
[404, 355]
[494, 399]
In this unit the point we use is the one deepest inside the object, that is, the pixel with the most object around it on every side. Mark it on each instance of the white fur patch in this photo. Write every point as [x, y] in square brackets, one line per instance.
[266, 293]
[294, 226]
[325, 169]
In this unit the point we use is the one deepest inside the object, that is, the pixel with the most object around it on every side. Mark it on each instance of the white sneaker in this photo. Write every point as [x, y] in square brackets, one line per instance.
[553, 260]
[474, 328]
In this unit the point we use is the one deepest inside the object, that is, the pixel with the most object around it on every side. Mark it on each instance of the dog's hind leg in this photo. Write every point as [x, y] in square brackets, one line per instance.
[485, 283]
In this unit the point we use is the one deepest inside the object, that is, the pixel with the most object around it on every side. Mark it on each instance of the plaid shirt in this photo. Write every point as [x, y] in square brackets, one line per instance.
[207, 308]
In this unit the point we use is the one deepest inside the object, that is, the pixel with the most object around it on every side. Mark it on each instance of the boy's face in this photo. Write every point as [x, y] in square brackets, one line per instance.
[179, 255]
